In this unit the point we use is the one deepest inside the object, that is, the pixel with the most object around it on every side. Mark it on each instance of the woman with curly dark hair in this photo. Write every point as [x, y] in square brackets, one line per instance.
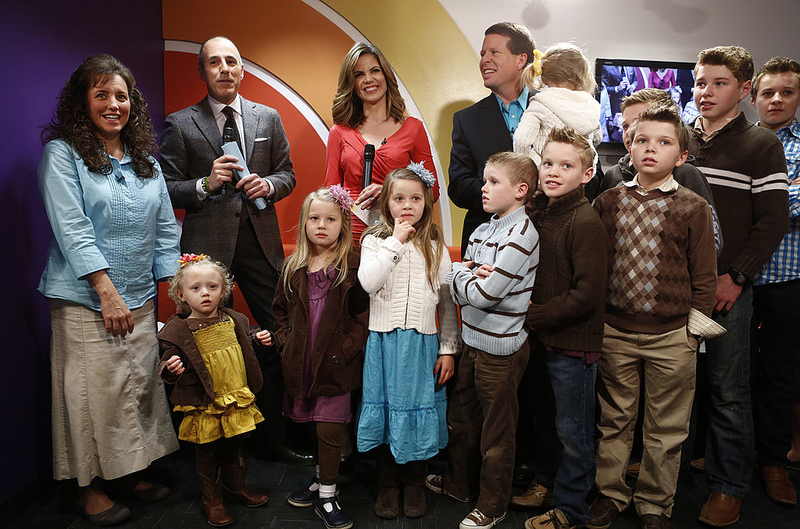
[114, 233]
[369, 109]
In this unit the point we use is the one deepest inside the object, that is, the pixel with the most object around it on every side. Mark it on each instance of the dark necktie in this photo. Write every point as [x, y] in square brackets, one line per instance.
[231, 122]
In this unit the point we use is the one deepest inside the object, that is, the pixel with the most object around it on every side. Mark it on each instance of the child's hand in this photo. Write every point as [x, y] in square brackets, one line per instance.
[265, 337]
[445, 367]
[175, 366]
[469, 264]
[403, 230]
[483, 271]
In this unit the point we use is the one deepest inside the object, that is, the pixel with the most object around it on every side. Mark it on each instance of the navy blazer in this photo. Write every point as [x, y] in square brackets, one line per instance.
[479, 131]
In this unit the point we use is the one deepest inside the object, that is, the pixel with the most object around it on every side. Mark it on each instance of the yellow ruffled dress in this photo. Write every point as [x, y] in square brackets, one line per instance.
[233, 411]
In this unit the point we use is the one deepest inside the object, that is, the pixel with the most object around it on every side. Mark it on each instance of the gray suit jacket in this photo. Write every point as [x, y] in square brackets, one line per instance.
[190, 143]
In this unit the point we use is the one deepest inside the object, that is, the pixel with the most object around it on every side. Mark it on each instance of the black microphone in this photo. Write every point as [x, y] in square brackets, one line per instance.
[369, 156]
[229, 136]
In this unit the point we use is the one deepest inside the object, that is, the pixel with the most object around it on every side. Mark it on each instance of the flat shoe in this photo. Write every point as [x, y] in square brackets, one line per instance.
[156, 492]
[115, 514]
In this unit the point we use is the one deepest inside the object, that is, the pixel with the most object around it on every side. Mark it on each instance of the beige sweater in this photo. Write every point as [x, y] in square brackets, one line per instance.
[393, 274]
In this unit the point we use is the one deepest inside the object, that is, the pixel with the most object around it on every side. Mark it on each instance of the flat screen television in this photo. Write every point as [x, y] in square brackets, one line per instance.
[618, 78]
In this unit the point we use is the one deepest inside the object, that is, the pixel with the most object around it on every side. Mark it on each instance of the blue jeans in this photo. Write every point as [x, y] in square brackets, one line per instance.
[573, 387]
[729, 444]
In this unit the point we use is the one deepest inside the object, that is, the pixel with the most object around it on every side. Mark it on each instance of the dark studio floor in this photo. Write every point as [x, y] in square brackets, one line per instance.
[46, 504]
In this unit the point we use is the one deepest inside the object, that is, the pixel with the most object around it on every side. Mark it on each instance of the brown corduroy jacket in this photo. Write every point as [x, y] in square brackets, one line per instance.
[194, 386]
[342, 334]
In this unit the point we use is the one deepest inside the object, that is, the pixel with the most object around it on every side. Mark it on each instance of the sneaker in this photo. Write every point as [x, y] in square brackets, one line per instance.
[307, 496]
[602, 512]
[554, 519]
[537, 495]
[435, 483]
[477, 520]
[334, 517]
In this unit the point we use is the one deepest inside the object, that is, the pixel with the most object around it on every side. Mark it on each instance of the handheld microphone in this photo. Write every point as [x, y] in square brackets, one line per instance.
[369, 156]
[229, 136]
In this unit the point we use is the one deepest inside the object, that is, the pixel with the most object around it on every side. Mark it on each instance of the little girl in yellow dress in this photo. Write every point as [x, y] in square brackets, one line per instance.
[207, 354]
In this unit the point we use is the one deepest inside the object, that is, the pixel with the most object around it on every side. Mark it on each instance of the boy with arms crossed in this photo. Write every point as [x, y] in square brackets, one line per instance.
[493, 287]
[662, 267]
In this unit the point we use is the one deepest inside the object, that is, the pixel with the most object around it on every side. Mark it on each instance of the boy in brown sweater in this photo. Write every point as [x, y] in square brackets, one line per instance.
[566, 313]
[662, 266]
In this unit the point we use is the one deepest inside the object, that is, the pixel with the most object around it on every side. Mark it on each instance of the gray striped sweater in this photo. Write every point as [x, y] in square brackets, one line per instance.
[493, 309]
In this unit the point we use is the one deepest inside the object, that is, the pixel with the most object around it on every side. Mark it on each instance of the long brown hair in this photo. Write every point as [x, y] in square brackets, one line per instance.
[348, 109]
[71, 121]
[428, 237]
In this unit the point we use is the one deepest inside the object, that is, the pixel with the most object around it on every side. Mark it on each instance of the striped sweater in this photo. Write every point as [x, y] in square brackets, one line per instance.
[746, 168]
[493, 309]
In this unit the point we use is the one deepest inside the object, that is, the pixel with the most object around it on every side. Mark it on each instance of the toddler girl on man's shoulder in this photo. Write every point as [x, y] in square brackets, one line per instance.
[207, 354]
[320, 329]
[564, 99]
[404, 262]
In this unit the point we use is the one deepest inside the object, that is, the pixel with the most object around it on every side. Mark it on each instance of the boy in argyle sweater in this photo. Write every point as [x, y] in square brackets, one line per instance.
[662, 265]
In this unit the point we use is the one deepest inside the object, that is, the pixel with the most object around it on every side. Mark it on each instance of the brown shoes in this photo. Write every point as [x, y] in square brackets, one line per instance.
[654, 521]
[720, 510]
[779, 486]
[602, 512]
[537, 495]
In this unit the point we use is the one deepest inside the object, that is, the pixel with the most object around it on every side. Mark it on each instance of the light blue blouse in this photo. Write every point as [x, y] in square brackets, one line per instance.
[118, 222]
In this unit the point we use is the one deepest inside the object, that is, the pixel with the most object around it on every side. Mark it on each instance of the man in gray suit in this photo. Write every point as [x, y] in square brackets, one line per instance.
[221, 219]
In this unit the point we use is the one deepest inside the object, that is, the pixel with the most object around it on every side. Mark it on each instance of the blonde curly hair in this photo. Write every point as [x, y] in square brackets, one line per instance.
[203, 260]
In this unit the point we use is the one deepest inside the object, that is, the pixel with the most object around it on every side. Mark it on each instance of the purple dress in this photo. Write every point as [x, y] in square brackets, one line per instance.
[318, 409]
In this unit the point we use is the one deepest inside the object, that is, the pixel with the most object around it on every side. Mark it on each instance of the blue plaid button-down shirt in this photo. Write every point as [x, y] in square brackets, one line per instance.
[784, 265]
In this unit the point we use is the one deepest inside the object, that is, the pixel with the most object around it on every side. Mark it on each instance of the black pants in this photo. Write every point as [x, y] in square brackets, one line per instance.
[775, 355]
[258, 280]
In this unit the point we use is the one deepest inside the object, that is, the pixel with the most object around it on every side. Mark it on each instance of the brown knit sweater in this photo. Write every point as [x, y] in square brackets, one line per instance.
[568, 299]
[662, 262]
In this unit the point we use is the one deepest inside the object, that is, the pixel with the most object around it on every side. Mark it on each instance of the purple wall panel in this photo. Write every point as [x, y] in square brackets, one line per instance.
[45, 42]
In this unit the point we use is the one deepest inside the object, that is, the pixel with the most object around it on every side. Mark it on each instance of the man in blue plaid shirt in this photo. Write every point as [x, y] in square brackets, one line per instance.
[775, 362]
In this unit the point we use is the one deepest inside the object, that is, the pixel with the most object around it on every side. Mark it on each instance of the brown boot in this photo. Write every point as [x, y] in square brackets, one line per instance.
[234, 489]
[212, 504]
[388, 505]
[414, 503]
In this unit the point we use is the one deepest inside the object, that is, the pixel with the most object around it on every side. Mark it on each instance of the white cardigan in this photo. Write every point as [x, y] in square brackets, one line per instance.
[394, 276]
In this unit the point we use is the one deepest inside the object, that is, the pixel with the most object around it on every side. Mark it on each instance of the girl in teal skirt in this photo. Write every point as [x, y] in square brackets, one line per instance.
[408, 359]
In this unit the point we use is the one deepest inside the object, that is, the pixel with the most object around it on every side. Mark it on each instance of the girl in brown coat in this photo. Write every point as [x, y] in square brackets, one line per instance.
[320, 328]
[207, 354]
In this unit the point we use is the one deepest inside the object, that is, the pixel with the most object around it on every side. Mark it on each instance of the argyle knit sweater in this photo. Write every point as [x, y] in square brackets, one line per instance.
[662, 259]
[746, 168]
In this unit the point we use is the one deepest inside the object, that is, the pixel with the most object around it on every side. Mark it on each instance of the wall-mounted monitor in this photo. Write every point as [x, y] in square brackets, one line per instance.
[618, 78]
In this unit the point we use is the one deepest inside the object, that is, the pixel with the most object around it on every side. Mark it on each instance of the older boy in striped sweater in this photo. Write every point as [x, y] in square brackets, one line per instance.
[493, 286]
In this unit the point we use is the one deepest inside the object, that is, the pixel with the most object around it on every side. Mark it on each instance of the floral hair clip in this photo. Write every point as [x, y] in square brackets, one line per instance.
[190, 258]
[419, 169]
[342, 196]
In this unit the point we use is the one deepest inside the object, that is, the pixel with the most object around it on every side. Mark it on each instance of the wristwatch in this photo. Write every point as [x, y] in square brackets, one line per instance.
[738, 277]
